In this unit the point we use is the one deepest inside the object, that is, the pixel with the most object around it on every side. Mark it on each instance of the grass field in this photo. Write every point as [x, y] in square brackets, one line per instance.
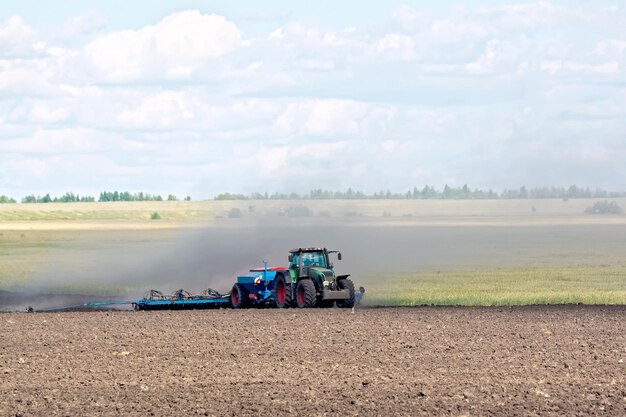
[66, 258]
[503, 287]
[418, 252]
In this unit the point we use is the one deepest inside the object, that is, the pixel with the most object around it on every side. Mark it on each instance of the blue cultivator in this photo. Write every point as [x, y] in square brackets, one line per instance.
[156, 300]
[181, 300]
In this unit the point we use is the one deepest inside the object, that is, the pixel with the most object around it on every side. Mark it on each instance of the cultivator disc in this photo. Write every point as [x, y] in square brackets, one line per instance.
[154, 295]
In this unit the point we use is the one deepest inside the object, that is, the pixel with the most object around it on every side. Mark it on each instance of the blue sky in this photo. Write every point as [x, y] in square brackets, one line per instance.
[198, 98]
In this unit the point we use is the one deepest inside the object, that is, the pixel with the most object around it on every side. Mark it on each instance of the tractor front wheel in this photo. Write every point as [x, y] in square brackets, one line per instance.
[283, 293]
[239, 297]
[306, 295]
[346, 284]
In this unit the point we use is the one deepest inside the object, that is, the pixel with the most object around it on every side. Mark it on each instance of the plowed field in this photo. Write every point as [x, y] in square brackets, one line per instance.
[556, 360]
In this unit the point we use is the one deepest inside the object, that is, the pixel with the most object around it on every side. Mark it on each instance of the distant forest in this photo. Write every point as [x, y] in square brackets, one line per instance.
[104, 196]
[425, 193]
[431, 193]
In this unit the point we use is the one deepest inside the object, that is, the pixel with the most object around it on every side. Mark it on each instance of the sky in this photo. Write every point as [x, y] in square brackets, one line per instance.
[199, 98]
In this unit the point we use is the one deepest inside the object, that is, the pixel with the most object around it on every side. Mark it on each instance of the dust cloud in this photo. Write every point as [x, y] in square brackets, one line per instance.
[212, 257]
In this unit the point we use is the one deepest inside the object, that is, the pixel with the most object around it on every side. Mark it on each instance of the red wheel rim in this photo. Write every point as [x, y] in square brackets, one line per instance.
[235, 297]
[301, 296]
[280, 293]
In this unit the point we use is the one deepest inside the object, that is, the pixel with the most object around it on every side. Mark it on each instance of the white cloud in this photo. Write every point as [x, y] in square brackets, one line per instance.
[57, 141]
[179, 46]
[410, 19]
[162, 110]
[16, 37]
[44, 114]
[309, 64]
[398, 46]
[302, 40]
[486, 62]
[25, 78]
[418, 95]
[323, 118]
[37, 168]
[82, 92]
[83, 24]
[525, 15]
[193, 110]
[301, 33]
[611, 48]
[277, 34]
[454, 30]
[556, 67]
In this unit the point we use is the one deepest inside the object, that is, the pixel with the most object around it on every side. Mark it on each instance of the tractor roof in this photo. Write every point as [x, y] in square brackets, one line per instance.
[306, 250]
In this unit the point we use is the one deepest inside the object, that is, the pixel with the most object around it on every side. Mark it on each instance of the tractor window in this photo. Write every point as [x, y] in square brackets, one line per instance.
[295, 260]
[313, 258]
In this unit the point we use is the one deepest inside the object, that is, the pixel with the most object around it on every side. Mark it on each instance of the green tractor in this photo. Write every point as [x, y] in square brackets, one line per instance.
[310, 281]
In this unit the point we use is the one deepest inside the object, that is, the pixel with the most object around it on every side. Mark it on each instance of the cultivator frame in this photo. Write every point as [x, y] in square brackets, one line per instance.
[181, 299]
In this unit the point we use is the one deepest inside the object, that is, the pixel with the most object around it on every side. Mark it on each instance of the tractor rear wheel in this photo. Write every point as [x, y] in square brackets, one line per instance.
[306, 295]
[346, 284]
[239, 297]
[283, 293]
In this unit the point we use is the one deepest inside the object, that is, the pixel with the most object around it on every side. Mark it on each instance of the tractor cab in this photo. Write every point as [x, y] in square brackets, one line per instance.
[303, 258]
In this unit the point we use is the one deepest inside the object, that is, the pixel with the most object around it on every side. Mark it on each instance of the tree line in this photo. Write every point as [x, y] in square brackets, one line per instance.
[425, 193]
[431, 193]
[66, 198]
[104, 196]
[141, 196]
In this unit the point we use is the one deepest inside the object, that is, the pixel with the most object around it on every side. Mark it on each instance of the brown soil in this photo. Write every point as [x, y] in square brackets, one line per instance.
[561, 360]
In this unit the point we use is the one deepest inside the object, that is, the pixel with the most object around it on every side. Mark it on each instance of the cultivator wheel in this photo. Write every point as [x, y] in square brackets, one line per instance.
[346, 284]
[283, 293]
[306, 295]
[239, 297]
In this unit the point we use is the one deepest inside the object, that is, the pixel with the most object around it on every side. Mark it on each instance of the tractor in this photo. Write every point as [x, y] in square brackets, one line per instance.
[308, 281]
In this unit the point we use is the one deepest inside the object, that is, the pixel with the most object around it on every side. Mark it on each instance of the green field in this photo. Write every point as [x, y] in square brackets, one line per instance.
[502, 287]
[403, 252]
[52, 258]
